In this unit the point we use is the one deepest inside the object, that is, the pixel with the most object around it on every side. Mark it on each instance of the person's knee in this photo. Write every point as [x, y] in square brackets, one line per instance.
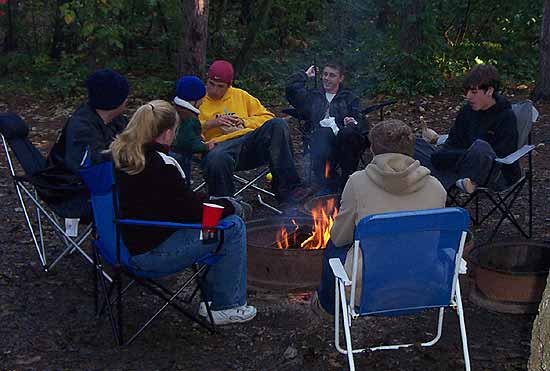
[480, 145]
[277, 126]
[216, 160]
[238, 229]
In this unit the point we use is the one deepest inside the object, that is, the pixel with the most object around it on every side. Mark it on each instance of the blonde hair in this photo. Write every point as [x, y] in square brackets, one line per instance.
[392, 136]
[148, 122]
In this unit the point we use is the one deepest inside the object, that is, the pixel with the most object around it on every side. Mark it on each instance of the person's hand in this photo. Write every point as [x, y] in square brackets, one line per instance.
[310, 72]
[210, 145]
[229, 128]
[349, 121]
[237, 121]
[224, 120]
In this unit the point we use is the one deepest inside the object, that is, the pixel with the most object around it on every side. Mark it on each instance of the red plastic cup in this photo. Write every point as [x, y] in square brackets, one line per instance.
[211, 214]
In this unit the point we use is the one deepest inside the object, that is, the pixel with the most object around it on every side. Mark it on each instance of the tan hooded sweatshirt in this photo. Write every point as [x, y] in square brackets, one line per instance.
[391, 182]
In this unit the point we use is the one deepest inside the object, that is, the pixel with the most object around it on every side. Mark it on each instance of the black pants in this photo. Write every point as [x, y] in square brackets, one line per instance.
[475, 164]
[341, 151]
[269, 144]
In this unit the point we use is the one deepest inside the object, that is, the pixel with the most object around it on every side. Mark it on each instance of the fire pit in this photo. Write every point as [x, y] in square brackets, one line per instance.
[287, 253]
[510, 276]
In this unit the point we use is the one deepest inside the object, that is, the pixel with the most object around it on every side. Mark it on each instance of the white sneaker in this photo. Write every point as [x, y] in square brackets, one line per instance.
[240, 314]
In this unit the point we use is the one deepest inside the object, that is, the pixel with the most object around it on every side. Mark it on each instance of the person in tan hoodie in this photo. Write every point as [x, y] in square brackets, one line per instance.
[393, 181]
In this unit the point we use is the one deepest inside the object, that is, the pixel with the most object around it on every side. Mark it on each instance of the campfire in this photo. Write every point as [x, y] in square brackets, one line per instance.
[310, 237]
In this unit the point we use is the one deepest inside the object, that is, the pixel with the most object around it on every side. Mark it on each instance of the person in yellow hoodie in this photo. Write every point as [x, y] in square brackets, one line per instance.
[247, 136]
[393, 181]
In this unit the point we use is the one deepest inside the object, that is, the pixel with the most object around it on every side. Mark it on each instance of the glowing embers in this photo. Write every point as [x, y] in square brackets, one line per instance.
[310, 237]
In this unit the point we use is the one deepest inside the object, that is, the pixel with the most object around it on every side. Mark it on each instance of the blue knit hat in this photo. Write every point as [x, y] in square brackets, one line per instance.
[189, 88]
[107, 89]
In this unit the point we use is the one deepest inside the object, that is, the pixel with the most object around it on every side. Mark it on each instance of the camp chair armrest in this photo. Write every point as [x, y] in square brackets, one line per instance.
[339, 271]
[223, 225]
[378, 106]
[514, 156]
[442, 139]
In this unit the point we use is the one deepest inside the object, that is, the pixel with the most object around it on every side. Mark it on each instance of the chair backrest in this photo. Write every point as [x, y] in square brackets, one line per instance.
[526, 114]
[410, 259]
[101, 182]
[15, 132]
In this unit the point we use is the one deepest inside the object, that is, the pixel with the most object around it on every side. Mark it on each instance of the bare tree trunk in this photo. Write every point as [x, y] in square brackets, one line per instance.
[383, 15]
[540, 338]
[253, 29]
[194, 37]
[57, 39]
[10, 43]
[542, 89]
[412, 34]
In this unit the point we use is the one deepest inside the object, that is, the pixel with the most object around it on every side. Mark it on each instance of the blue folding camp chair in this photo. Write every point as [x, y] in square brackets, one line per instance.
[411, 262]
[109, 247]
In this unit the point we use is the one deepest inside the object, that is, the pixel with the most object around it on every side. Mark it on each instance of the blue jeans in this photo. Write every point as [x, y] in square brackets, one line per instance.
[327, 286]
[225, 283]
[343, 150]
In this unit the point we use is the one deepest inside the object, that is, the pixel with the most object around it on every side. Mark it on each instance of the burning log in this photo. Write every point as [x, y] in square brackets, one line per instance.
[305, 237]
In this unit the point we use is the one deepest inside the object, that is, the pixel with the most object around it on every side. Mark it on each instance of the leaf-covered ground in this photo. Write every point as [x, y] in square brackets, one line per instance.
[48, 319]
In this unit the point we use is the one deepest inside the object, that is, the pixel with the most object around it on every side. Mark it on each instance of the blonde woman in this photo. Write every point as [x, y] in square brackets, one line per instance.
[152, 186]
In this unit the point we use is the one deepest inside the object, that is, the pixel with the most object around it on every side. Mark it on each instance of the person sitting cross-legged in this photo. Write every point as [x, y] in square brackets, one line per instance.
[485, 128]
[393, 181]
[152, 186]
[247, 136]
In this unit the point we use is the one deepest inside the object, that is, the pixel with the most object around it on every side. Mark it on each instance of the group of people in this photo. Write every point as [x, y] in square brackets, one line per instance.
[233, 131]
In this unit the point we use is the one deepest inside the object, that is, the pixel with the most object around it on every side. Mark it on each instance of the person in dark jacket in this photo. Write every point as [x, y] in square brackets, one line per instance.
[92, 127]
[190, 91]
[484, 129]
[338, 129]
[151, 186]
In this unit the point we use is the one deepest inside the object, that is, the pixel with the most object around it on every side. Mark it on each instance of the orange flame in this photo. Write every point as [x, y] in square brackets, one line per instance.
[327, 170]
[282, 237]
[323, 219]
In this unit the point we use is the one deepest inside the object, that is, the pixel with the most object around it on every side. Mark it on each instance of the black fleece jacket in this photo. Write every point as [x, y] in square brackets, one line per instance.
[84, 129]
[312, 103]
[159, 192]
[496, 125]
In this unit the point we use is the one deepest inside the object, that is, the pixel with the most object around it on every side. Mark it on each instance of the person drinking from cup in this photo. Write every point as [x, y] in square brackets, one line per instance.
[152, 186]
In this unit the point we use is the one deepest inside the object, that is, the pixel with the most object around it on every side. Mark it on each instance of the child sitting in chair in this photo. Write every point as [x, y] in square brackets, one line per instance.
[190, 91]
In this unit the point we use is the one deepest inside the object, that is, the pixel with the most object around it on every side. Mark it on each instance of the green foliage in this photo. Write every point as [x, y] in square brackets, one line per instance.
[141, 39]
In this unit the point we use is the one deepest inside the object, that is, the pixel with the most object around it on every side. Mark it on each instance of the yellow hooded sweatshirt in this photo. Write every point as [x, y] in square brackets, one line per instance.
[238, 102]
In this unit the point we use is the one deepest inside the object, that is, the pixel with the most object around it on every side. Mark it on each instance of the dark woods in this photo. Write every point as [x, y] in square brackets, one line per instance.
[390, 47]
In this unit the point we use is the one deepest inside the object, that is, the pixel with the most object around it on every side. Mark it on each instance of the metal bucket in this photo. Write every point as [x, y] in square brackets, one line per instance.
[510, 277]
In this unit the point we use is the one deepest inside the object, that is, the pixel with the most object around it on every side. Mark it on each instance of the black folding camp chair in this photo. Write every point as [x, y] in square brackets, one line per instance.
[305, 129]
[30, 188]
[504, 200]
[109, 249]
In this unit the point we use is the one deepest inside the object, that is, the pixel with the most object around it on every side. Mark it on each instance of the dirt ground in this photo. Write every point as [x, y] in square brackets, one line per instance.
[48, 319]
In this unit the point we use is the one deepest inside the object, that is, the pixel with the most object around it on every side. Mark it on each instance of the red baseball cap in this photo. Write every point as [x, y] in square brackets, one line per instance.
[222, 71]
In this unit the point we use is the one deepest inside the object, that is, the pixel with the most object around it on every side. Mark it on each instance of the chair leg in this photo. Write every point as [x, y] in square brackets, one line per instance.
[347, 331]
[460, 313]
[340, 299]
[39, 247]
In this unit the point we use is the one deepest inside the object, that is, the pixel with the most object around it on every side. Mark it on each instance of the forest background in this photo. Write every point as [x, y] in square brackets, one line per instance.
[390, 48]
